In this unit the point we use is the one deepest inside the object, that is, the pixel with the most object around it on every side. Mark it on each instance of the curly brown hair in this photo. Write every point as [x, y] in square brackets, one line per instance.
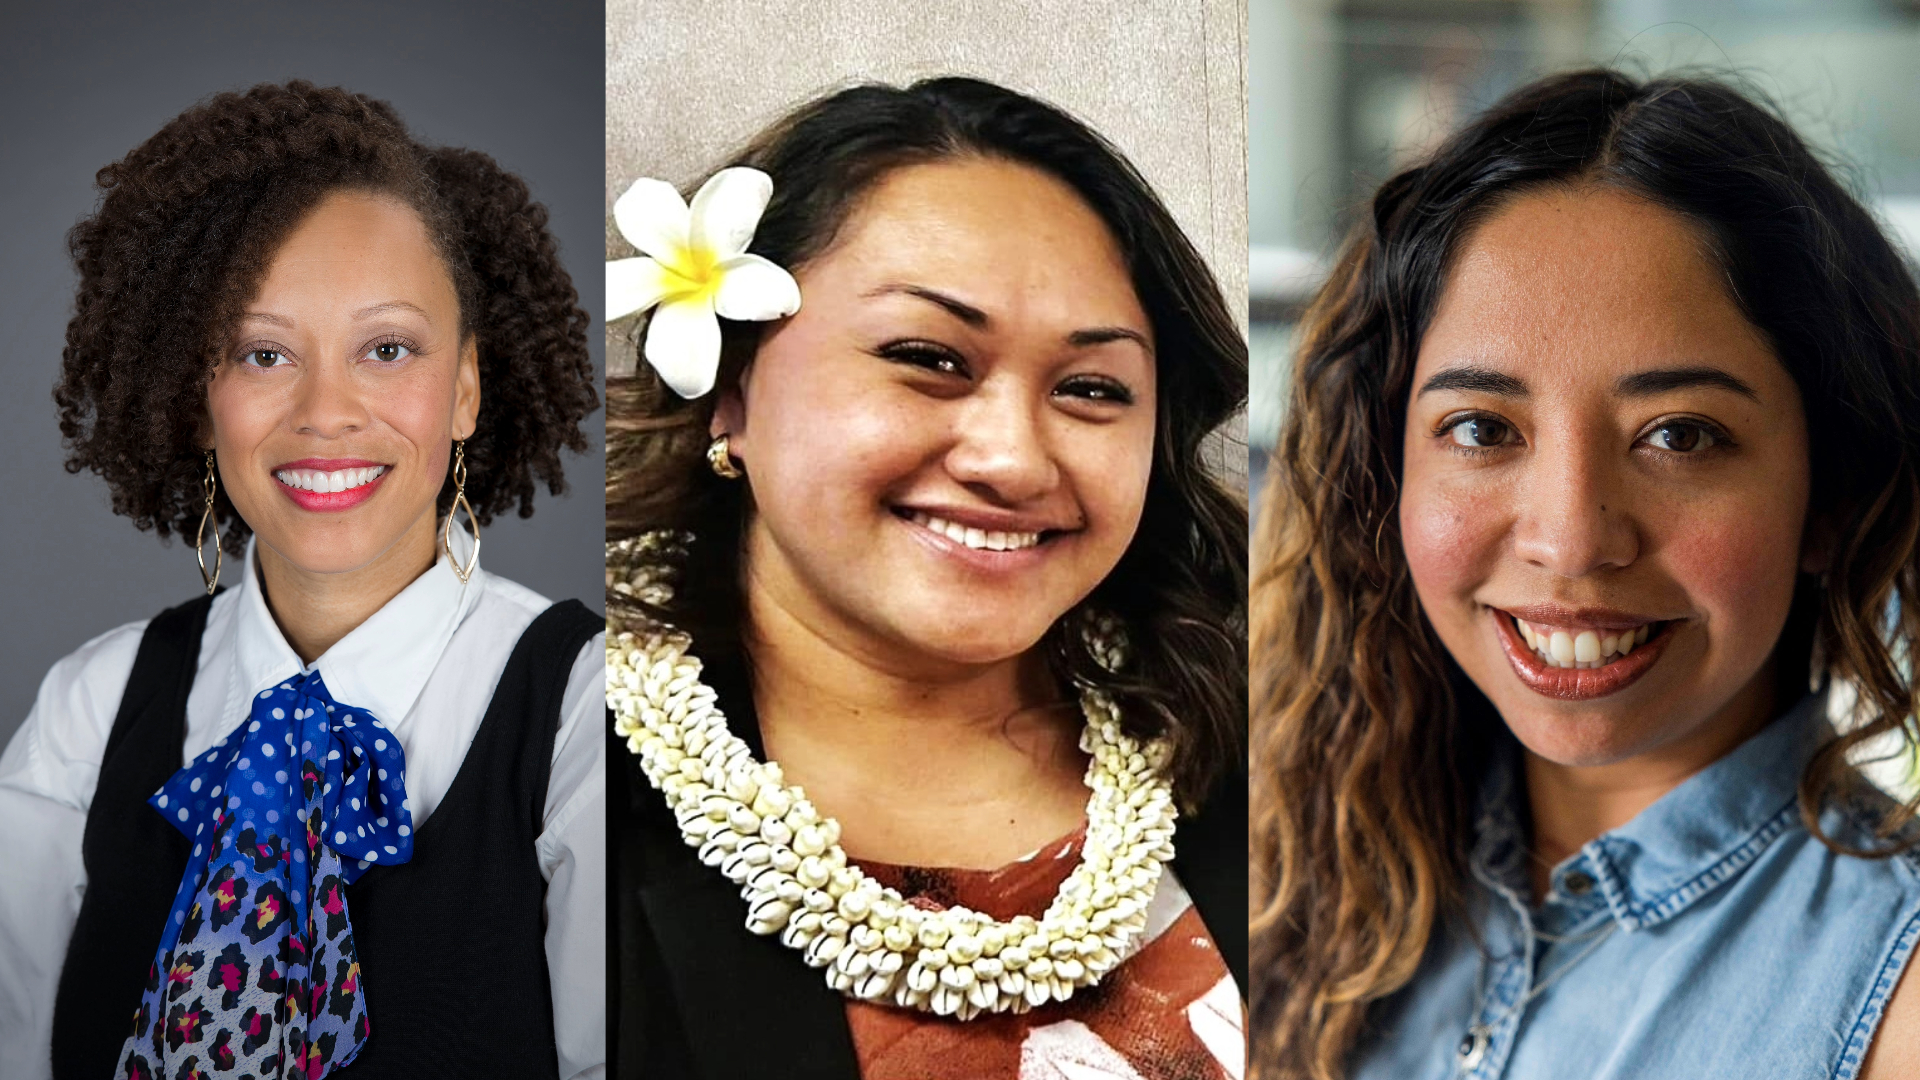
[1368, 739]
[1180, 587]
[188, 223]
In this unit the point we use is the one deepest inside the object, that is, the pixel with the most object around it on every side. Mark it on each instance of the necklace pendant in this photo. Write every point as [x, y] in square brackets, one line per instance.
[1473, 1048]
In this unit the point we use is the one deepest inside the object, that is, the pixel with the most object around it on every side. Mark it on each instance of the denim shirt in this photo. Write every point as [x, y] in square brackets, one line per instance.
[1711, 936]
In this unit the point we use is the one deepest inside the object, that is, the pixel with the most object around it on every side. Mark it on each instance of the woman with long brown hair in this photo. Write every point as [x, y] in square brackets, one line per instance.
[929, 532]
[1601, 448]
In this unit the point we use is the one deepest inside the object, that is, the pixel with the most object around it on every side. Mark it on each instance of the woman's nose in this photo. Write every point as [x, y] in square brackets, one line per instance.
[1001, 448]
[1573, 512]
[327, 401]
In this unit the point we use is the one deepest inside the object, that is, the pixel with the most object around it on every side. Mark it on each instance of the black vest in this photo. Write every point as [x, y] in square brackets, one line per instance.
[693, 993]
[451, 943]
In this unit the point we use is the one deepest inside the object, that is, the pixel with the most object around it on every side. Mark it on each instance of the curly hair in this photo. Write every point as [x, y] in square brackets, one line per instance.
[189, 222]
[1368, 739]
[1180, 587]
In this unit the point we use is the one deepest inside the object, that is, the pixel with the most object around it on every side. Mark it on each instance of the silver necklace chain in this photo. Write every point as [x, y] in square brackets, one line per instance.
[1473, 1045]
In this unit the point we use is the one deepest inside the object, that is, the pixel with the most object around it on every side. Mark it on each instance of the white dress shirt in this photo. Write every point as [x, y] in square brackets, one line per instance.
[426, 664]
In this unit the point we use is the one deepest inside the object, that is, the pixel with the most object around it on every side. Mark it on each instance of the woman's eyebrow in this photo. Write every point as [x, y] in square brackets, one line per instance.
[359, 316]
[1662, 380]
[956, 307]
[1638, 384]
[391, 305]
[1101, 335]
[980, 320]
[1475, 380]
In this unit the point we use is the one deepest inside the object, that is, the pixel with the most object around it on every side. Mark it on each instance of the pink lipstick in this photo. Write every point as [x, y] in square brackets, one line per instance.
[326, 485]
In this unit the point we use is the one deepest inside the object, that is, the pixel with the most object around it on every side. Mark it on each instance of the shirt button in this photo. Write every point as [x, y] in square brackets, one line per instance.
[1472, 1049]
[1577, 883]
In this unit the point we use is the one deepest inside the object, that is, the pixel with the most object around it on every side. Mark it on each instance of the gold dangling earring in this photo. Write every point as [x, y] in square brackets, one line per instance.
[208, 484]
[460, 503]
[720, 460]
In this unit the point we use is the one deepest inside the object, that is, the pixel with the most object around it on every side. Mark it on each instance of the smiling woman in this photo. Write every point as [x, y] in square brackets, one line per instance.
[319, 353]
[944, 545]
[1601, 448]
[316, 821]
[1587, 373]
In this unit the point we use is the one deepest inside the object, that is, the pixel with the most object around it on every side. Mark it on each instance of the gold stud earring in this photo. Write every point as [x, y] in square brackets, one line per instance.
[720, 460]
[208, 484]
[460, 503]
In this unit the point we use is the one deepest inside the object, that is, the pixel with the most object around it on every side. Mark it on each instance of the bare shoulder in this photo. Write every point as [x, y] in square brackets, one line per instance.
[1895, 1053]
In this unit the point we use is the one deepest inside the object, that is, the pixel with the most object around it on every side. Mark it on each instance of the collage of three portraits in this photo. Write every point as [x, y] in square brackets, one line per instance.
[1050, 540]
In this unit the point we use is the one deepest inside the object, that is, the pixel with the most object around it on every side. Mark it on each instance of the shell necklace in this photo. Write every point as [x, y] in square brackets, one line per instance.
[872, 943]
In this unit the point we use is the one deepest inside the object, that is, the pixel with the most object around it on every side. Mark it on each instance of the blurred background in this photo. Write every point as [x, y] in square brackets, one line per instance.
[1342, 93]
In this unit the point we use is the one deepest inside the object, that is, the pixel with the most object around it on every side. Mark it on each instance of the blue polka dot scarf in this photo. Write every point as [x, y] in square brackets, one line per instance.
[256, 973]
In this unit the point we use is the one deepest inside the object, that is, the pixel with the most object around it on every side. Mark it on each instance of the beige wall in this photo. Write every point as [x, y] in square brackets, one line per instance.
[689, 80]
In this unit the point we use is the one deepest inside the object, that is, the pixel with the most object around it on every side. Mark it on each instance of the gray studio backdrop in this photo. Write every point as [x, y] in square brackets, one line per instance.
[82, 83]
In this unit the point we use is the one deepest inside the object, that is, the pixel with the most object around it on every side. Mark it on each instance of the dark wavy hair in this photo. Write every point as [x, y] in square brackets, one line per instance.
[1368, 739]
[1180, 587]
[188, 223]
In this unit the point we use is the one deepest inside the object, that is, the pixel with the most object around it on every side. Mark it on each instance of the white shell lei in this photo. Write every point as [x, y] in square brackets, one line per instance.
[873, 944]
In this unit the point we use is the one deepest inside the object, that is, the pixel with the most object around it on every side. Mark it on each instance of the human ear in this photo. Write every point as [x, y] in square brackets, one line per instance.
[466, 390]
[203, 424]
[730, 416]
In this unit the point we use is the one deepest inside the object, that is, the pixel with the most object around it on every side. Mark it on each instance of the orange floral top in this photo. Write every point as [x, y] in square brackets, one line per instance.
[1171, 1011]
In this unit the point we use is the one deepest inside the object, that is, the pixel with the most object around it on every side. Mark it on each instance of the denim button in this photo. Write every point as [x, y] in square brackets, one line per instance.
[1577, 883]
[1472, 1049]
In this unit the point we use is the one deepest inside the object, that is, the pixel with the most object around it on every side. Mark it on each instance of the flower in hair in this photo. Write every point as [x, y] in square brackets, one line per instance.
[693, 267]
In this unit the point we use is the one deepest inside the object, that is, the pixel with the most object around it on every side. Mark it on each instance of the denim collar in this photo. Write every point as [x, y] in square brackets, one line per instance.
[1691, 840]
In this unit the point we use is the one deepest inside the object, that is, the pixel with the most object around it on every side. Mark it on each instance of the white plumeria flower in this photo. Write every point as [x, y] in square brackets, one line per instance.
[693, 267]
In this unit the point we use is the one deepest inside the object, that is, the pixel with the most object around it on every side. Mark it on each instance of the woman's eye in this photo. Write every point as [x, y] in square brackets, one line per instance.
[263, 358]
[1681, 437]
[1480, 432]
[389, 351]
[926, 355]
[1092, 389]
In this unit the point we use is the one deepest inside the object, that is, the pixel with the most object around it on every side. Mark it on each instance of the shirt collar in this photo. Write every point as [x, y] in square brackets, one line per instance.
[382, 664]
[1679, 849]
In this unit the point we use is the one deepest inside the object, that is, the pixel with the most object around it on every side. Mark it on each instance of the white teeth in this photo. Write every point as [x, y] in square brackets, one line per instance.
[1560, 647]
[1586, 647]
[324, 482]
[977, 539]
[1566, 648]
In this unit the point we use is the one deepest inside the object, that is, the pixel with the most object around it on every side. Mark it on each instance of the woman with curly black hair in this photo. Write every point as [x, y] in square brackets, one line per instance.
[344, 811]
[937, 542]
